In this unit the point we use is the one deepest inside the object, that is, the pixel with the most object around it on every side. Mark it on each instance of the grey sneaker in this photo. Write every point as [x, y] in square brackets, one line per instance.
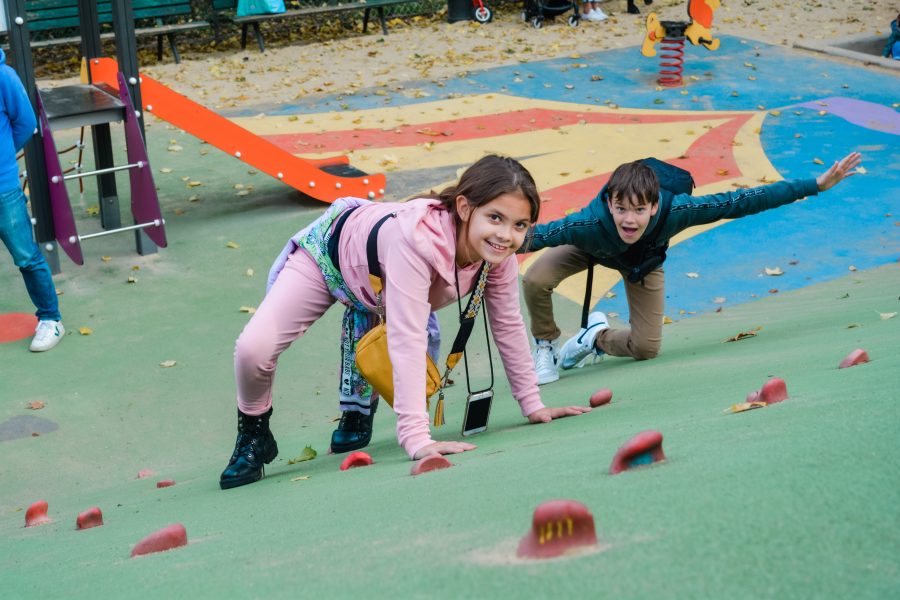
[578, 348]
[545, 356]
[46, 335]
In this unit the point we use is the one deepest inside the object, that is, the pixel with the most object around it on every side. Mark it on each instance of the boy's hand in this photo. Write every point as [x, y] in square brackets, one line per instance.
[547, 414]
[840, 170]
[443, 448]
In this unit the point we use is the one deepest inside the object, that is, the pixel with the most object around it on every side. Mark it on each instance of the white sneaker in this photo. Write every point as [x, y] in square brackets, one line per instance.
[596, 15]
[545, 356]
[578, 348]
[46, 335]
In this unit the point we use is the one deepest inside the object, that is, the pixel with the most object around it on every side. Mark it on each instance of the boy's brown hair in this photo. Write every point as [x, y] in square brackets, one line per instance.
[634, 180]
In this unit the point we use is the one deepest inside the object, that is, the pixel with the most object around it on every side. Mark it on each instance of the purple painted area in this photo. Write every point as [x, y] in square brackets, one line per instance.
[144, 201]
[859, 112]
[63, 219]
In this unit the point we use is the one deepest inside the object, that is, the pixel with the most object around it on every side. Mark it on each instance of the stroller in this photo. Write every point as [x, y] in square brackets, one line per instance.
[535, 11]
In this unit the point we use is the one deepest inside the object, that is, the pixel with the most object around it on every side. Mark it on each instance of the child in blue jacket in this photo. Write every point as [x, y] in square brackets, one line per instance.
[17, 125]
[892, 47]
[627, 227]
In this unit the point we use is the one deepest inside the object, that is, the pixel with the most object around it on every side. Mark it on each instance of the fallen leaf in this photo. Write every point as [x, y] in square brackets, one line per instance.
[247, 309]
[249, 272]
[610, 295]
[693, 275]
[667, 320]
[861, 170]
[93, 210]
[194, 183]
[743, 335]
[851, 268]
[744, 406]
[167, 363]
[818, 161]
[308, 454]
[774, 271]
[132, 279]
[722, 172]
[773, 291]
[35, 405]
[300, 478]
[165, 170]
[175, 148]
[106, 258]
[775, 113]
[85, 330]
[886, 316]
[719, 300]
[232, 245]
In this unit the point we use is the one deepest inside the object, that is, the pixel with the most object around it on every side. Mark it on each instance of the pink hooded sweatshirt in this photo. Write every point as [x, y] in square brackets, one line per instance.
[417, 252]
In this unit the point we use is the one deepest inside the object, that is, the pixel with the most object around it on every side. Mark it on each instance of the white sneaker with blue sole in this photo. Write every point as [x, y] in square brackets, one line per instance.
[577, 349]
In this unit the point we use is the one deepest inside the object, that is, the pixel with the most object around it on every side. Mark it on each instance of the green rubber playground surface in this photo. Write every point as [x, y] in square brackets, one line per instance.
[796, 500]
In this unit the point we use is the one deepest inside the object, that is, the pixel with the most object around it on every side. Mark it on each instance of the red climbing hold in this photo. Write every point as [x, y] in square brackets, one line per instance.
[643, 449]
[92, 517]
[356, 459]
[165, 483]
[166, 538]
[772, 391]
[558, 527]
[37, 514]
[857, 357]
[601, 397]
[432, 462]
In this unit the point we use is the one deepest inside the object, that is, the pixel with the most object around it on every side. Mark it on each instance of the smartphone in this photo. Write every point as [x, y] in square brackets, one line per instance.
[478, 409]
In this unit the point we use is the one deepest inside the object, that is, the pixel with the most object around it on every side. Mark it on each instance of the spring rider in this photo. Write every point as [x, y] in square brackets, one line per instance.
[672, 35]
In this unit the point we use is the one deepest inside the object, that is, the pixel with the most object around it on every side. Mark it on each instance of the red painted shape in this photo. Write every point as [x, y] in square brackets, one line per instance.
[601, 397]
[857, 357]
[471, 128]
[772, 391]
[645, 443]
[144, 473]
[432, 462]
[16, 326]
[164, 483]
[37, 514]
[558, 527]
[356, 459]
[166, 538]
[92, 517]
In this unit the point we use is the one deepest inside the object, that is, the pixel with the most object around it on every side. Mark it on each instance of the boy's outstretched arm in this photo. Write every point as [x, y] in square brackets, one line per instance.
[840, 170]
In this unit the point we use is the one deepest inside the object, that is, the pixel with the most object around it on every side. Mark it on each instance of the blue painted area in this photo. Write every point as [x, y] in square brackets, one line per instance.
[641, 459]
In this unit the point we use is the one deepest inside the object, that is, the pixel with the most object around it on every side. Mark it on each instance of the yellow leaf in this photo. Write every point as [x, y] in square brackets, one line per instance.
[818, 161]
[861, 170]
[232, 245]
[167, 363]
[775, 113]
[132, 279]
[886, 316]
[774, 271]
[106, 258]
[165, 170]
[744, 406]
[194, 183]
[300, 478]
[247, 309]
[93, 210]
[743, 335]
[610, 294]
[85, 330]
[249, 272]
[667, 320]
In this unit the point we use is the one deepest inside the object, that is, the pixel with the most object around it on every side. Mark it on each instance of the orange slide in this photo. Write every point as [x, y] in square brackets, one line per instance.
[305, 175]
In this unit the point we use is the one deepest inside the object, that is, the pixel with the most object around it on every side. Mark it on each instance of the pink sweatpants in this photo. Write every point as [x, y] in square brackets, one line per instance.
[297, 299]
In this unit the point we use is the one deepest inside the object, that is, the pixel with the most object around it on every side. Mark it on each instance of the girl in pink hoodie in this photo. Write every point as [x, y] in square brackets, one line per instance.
[431, 244]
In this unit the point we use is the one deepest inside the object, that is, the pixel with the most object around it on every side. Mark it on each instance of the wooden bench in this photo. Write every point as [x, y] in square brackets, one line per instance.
[160, 18]
[306, 8]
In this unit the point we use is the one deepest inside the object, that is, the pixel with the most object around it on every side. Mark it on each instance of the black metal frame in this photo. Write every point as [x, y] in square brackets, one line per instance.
[126, 54]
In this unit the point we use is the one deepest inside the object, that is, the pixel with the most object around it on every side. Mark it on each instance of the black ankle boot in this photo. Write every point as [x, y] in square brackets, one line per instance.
[354, 431]
[632, 9]
[255, 446]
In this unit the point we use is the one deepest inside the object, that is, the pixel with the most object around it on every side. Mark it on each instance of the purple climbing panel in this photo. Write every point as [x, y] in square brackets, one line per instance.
[63, 219]
[144, 201]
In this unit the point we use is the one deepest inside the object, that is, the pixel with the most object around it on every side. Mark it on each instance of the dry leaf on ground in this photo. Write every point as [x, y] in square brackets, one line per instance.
[35, 405]
[247, 309]
[168, 363]
[85, 330]
[743, 335]
[232, 245]
[744, 406]
[775, 271]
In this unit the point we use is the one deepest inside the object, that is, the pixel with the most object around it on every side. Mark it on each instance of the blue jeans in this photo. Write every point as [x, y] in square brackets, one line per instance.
[15, 231]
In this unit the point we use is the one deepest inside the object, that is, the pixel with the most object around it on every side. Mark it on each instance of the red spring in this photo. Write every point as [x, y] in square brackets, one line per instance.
[671, 61]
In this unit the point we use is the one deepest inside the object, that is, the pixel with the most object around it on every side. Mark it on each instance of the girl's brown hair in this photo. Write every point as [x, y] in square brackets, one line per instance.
[488, 178]
[634, 180]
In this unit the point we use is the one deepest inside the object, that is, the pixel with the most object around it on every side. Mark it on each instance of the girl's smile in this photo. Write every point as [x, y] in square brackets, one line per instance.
[494, 231]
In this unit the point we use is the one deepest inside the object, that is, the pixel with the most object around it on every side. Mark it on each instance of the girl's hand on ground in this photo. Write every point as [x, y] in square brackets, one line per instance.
[840, 170]
[547, 414]
[443, 448]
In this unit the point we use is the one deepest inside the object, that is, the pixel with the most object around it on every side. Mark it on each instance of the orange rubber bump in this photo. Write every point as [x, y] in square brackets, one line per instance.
[356, 459]
[643, 449]
[37, 514]
[772, 391]
[432, 462]
[857, 357]
[164, 483]
[166, 538]
[558, 527]
[92, 517]
[144, 473]
[601, 397]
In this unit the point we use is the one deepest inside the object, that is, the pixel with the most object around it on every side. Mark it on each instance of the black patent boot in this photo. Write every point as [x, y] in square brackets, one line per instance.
[354, 431]
[254, 448]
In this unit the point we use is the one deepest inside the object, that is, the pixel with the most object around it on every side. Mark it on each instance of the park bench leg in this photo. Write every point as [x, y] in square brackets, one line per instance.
[159, 47]
[366, 19]
[174, 48]
[259, 37]
[381, 18]
[243, 36]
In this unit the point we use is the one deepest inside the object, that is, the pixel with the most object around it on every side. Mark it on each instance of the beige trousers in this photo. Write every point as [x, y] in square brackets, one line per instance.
[646, 302]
